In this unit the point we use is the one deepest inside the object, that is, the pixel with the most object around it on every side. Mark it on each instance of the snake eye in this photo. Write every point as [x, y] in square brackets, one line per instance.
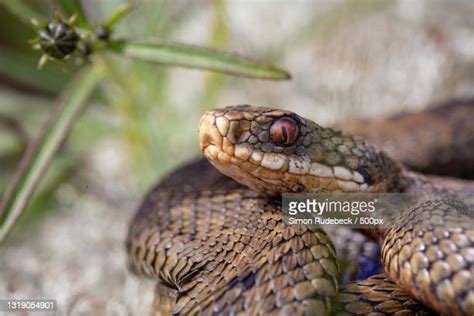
[284, 131]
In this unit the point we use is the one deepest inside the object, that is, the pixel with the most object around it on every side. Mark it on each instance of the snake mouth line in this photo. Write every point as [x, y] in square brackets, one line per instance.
[229, 139]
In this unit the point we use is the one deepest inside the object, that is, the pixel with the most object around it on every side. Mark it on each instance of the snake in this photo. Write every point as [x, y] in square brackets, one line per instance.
[437, 147]
[214, 237]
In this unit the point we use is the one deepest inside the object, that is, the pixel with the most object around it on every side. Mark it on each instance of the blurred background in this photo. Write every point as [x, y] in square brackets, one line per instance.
[349, 59]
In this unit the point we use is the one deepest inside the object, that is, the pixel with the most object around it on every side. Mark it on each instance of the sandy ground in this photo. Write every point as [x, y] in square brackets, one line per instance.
[400, 56]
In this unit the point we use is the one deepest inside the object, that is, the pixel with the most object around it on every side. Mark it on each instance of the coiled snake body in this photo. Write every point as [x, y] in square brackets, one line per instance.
[219, 246]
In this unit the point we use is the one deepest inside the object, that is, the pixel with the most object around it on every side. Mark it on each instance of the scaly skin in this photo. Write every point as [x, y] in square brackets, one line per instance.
[377, 295]
[227, 250]
[236, 141]
[433, 141]
[221, 248]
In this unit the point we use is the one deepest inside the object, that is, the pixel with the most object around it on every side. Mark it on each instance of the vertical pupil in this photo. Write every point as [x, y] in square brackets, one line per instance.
[284, 133]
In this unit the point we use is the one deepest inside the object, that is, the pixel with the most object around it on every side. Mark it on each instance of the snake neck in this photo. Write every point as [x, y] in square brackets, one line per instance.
[275, 152]
[371, 167]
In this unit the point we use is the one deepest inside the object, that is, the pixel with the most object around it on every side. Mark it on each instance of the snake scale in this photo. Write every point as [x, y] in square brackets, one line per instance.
[213, 234]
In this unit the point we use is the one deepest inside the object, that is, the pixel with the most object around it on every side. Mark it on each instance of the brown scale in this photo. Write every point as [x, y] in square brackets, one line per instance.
[236, 253]
[436, 141]
[221, 248]
[377, 296]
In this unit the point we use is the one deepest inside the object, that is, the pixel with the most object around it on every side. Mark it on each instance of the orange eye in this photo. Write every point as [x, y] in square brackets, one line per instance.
[284, 131]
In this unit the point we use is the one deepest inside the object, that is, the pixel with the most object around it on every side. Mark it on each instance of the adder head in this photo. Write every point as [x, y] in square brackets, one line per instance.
[275, 151]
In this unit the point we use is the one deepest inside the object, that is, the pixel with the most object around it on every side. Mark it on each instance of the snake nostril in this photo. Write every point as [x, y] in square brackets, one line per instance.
[205, 141]
[208, 133]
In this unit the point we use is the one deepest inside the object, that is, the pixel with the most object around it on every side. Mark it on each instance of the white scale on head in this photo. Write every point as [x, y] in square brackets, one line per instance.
[347, 180]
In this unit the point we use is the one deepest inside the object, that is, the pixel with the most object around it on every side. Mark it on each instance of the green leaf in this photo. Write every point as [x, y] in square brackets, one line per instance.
[22, 10]
[39, 154]
[74, 7]
[198, 57]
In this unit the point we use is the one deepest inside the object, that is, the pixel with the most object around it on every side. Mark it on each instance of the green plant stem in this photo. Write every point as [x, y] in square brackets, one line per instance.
[39, 154]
